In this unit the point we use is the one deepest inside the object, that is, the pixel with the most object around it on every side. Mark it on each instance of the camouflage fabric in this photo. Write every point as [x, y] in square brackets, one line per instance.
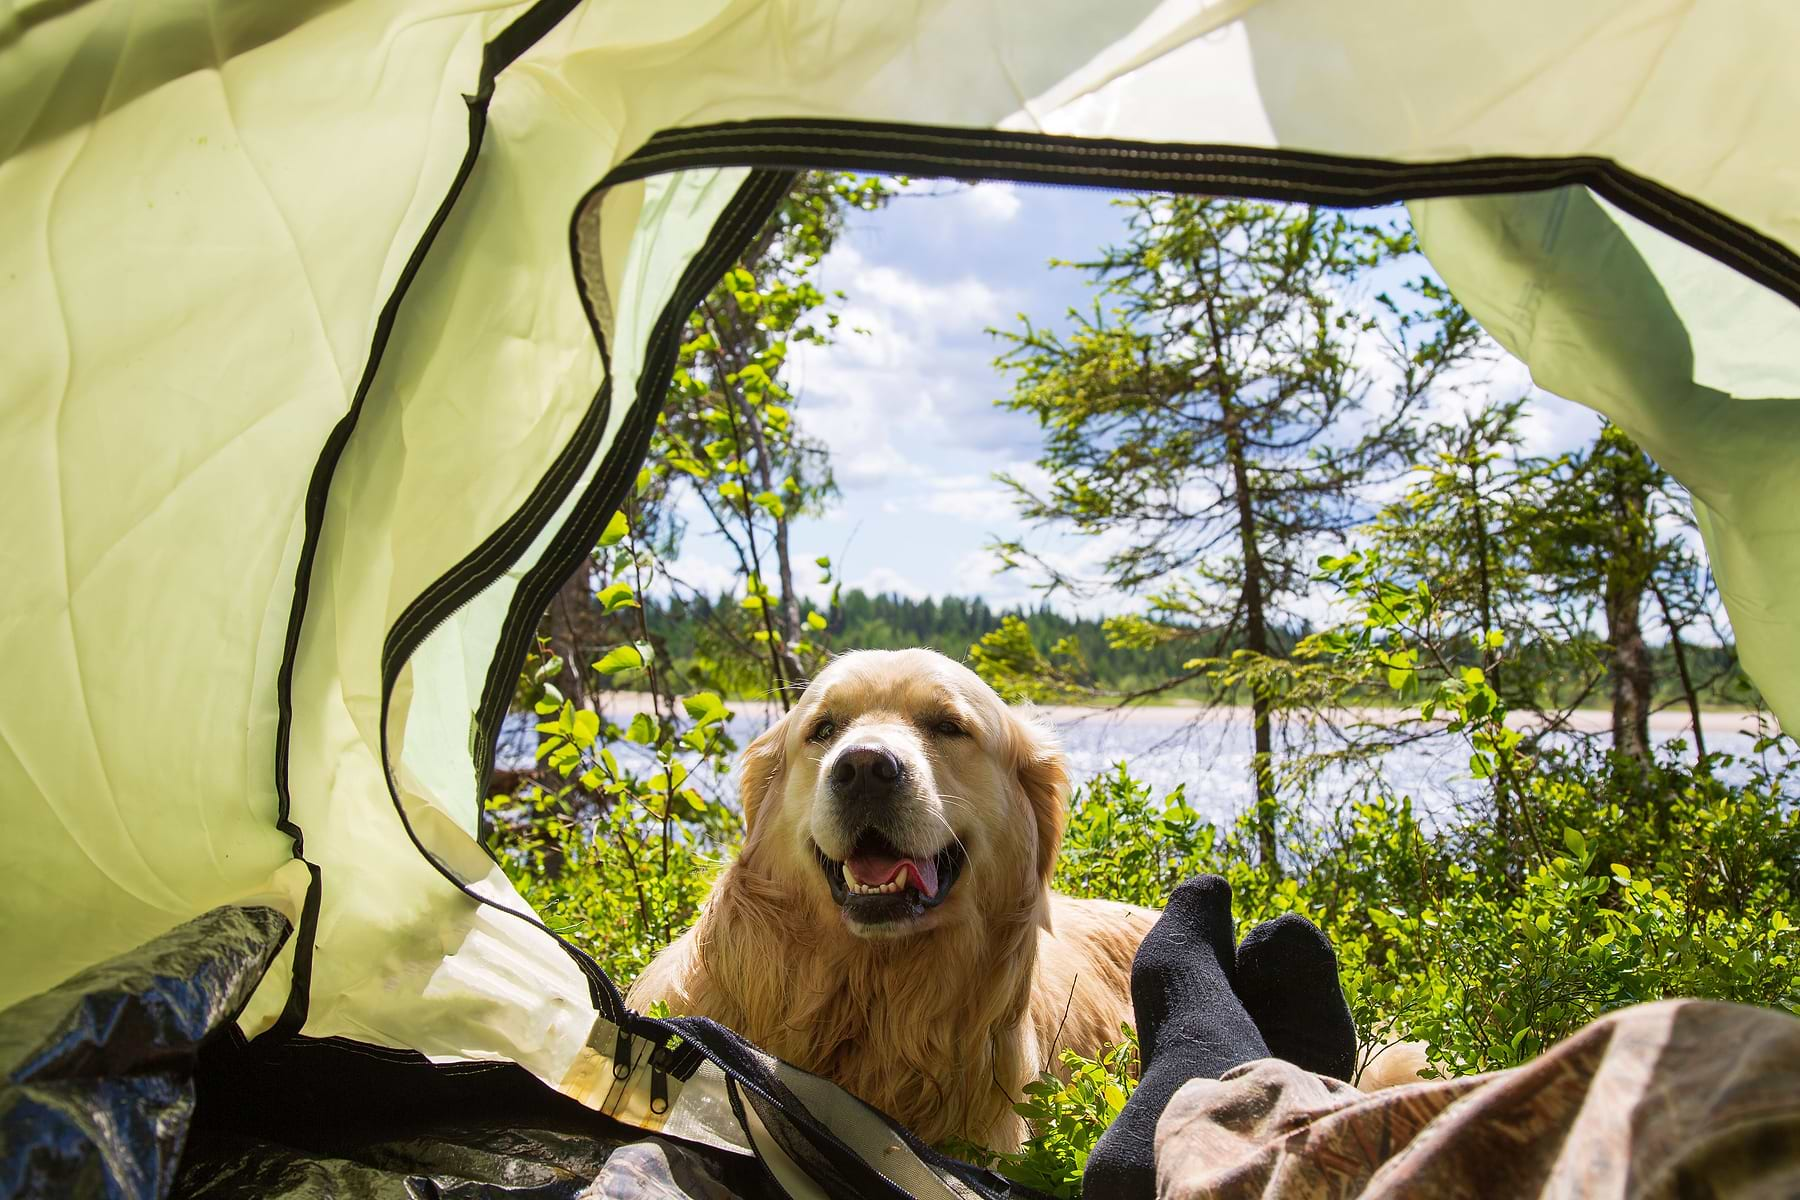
[1680, 1098]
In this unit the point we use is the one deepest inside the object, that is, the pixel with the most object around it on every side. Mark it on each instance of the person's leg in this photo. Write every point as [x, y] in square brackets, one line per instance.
[1287, 978]
[1190, 1024]
[1680, 1097]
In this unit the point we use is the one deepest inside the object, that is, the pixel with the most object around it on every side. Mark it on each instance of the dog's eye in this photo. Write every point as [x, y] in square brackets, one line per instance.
[949, 728]
[822, 731]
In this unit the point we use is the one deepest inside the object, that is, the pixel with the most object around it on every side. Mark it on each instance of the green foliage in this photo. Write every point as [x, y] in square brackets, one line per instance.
[727, 434]
[595, 872]
[1653, 881]
[1436, 942]
[1067, 1117]
[1009, 660]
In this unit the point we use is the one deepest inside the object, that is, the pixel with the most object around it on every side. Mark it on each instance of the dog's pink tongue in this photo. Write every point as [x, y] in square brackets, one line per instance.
[873, 870]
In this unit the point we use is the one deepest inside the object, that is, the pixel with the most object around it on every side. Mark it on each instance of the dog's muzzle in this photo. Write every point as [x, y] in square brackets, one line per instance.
[879, 884]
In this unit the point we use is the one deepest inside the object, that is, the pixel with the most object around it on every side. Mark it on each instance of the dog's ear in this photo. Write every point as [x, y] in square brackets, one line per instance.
[758, 769]
[1044, 775]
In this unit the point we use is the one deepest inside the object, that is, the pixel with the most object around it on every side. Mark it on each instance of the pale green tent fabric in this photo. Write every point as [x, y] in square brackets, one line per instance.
[251, 256]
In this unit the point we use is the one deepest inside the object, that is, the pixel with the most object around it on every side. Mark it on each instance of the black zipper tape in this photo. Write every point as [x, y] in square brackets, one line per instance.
[742, 216]
[495, 57]
[1269, 174]
[747, 210]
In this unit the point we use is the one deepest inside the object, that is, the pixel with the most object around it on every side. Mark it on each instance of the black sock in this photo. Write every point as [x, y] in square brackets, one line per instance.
[1287, 976]
[1190, 1025]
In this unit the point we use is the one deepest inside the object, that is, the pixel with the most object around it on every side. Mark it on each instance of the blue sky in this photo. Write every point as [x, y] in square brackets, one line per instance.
[907, 407]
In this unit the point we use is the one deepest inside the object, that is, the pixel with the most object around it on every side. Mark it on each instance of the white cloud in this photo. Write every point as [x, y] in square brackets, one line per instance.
[699, 570]
[1552, 425]
[978, 573]
[995, 202]
[885, 579]
[969, 497]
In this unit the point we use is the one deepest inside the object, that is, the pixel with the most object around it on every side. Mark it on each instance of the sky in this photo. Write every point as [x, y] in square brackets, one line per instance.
[907, 407]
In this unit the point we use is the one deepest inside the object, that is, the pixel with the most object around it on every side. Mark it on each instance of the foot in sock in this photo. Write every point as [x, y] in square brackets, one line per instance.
[1287, 977]
[1190, 1025]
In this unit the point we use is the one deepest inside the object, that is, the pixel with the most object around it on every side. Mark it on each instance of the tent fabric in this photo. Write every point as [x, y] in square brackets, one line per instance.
[336, 332]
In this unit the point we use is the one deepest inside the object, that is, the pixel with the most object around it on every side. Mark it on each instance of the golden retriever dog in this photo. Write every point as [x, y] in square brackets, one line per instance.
[889, 923]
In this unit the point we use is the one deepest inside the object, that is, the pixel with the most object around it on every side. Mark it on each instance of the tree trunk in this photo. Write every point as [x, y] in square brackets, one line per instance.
[574, 619]
[1629, 666]
[1256, 638]
[1626, 579]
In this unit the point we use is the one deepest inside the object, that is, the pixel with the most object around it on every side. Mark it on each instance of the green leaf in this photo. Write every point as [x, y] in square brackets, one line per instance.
[587, 728]
[815, 621]
[616, 529]
[616, 596]
[642, 730]
[770, 503]
[1575, 842]
[1400, 668]
[629, 657]
[705, 708]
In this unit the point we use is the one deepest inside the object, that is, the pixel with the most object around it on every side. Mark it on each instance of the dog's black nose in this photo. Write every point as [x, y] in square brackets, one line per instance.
[862, 767]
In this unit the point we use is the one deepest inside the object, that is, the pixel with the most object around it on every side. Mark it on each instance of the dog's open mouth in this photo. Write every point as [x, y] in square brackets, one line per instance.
[880, 884]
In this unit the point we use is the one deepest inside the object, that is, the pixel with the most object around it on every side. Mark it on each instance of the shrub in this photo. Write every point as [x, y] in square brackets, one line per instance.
[1635, 885]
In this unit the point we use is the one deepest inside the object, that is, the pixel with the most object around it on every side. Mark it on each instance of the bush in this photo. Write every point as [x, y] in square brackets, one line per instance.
[1635, 884]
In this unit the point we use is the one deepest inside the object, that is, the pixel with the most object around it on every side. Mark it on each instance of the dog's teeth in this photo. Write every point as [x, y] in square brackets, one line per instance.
[849, 879]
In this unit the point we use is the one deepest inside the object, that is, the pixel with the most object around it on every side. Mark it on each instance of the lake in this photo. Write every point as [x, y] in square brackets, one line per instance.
[1210, 750]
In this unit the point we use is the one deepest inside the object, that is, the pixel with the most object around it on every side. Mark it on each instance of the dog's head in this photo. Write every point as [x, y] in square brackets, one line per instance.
[906, 795]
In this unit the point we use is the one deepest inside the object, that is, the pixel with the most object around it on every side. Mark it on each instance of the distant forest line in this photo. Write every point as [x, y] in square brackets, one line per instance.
[953, 624]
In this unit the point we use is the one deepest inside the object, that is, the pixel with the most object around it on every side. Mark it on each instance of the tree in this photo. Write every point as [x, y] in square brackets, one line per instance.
[1604, 545]
[1449, 574]
[1209, 417]
[728, 431]
[727, 437]
[1686, 596]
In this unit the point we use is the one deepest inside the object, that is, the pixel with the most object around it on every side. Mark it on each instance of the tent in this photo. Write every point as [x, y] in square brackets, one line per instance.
[334, 333]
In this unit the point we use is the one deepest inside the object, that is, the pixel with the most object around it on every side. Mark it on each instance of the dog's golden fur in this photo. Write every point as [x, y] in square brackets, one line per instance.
[942, 1022]
[943, 1026]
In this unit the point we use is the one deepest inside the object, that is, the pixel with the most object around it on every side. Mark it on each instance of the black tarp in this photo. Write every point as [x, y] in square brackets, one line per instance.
[130, 1080]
